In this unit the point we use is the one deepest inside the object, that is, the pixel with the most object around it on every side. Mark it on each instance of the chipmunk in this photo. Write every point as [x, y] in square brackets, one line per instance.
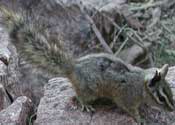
[92, 76]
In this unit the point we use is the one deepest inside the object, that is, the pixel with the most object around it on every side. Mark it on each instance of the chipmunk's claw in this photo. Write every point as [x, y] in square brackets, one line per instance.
[73, 107]
[87, 108]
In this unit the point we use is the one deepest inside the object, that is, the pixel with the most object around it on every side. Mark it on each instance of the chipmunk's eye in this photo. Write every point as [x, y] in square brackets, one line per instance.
[155, 79]
[161, 98]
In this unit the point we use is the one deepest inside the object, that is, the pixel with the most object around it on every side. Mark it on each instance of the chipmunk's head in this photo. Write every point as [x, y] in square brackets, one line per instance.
[159, 90]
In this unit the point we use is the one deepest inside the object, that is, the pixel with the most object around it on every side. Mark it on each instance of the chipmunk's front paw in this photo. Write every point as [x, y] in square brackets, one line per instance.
[87, 108]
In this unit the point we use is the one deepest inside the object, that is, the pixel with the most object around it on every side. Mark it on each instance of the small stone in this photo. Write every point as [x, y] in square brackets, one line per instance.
[17, 113]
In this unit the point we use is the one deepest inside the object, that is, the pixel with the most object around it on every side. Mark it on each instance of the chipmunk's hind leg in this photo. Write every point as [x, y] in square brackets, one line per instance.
[134, 113]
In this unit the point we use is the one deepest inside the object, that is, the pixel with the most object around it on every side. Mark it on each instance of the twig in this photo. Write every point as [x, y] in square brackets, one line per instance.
[116, 37]
[31, 118]
[140, 43]
[121, 47]
[142, 61]
[166, 28]
[131, 38]
[95, 29]
[148, 55]
[148, 5]
[156, 14]
[151, 60]
[170, 3]
[147, 36]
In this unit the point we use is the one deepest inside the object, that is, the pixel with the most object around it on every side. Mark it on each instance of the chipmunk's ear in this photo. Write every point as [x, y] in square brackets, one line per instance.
[156, 78]
[164, 70]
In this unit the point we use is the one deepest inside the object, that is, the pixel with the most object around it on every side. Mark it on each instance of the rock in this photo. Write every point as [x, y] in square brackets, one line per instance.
[3, 69]
[8, 63]
[56, 108]
[5, 101]
[135, 54]
[4, 52]
[171, 79]
[23, 79]
[17, 113]
[4, 56]
[4, 98]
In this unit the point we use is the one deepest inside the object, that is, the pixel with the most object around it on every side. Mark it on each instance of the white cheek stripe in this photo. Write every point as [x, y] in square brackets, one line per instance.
[167, 101]
[157, 99]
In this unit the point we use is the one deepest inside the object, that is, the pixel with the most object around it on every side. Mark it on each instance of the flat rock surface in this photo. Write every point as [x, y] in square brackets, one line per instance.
[171, 79]
[17, 113]
[4, 100]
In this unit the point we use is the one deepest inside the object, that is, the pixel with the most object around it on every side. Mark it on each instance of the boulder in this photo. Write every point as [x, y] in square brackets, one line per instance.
[171, 79]
[135, 55]
[8, 63]
[5, 101]
[21, 79]
[4, 98]
[17, 113]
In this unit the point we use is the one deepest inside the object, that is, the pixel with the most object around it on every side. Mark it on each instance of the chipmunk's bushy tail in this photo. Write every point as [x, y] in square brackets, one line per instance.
[35, 44]
[11, 20]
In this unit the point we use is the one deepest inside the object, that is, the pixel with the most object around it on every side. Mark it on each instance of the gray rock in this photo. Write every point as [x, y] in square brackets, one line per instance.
[21, 78]
[17, 113]
[4, 98]
[171, 79]
[3, 69]
[8, 63]
[136, 54]
[4, 52]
